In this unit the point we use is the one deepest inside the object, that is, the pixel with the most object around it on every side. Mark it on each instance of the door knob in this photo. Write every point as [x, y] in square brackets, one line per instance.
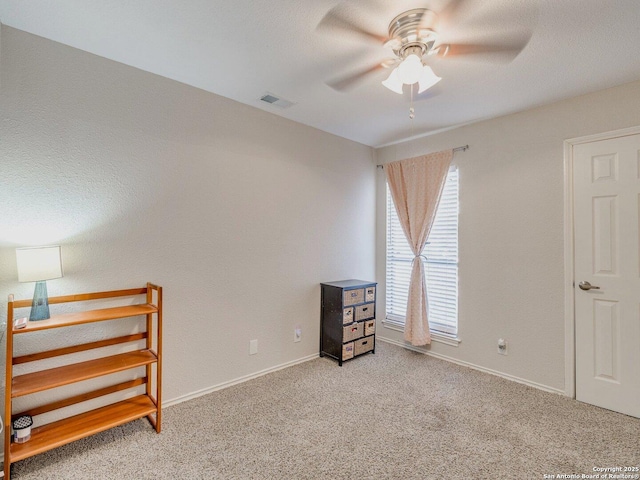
[587, 286]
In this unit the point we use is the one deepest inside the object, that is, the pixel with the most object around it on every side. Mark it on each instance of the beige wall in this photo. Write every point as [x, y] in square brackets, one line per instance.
[511, 230]
[239, 214]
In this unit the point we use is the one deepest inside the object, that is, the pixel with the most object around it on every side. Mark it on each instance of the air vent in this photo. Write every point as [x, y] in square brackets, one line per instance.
[272, 99]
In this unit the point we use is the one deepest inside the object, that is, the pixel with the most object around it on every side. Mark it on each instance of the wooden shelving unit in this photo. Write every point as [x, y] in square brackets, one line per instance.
[61, 432]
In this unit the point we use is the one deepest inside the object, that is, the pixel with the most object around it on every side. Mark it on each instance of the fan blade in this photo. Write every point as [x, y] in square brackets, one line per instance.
[334, 20]
[524, 18]
[453, 8]
[351, 80]
[499, 52]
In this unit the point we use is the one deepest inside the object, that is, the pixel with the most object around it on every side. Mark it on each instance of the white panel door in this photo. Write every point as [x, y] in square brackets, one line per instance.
[607, 244]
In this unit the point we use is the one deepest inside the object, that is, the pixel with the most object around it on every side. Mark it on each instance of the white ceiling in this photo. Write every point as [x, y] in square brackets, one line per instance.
[241, 49]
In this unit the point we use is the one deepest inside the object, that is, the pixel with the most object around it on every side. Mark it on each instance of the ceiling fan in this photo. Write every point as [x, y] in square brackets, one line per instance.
[413, 38]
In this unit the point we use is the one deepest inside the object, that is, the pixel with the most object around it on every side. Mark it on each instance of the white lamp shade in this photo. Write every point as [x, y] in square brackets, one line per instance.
[38, 263]
[393, 83]
[410, 69]
[427, 79]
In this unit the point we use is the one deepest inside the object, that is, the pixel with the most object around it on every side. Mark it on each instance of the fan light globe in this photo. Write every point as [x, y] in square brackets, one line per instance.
[393, 83]
[427, 79]
[410, 69]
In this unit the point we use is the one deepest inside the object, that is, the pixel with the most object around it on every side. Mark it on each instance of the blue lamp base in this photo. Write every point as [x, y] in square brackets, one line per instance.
[40, 305]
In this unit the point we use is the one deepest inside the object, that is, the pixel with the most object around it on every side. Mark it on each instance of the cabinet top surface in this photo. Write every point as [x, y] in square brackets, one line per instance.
[349, 283]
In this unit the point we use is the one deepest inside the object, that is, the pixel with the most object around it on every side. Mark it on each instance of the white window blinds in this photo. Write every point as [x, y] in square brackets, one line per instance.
[441, 267]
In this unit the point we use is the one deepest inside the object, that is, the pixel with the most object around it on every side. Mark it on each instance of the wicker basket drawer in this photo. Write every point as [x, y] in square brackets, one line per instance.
[352, 297]
[347, 351]
[347, 315]
[365, 311]
[364, 345]
[369, 327]
[351, 332]
[369, 294]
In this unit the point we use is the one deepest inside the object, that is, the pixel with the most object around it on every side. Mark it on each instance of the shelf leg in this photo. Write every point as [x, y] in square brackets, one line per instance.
[7, 399]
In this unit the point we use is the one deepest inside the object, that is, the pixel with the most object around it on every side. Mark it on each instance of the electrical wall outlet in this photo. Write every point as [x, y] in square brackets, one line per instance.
[253, 347]
[502, 346]
[297, 333]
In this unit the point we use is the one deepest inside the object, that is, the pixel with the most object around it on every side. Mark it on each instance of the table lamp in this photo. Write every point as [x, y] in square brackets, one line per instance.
[38, 264]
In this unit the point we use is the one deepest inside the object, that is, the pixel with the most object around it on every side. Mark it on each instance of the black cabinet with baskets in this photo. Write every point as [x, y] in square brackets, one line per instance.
[348, 319]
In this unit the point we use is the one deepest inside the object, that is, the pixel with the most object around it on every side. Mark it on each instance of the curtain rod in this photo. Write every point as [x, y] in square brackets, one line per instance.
[457, 149]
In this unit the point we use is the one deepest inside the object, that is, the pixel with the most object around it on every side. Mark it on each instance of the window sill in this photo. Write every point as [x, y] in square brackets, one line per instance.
[435, 336]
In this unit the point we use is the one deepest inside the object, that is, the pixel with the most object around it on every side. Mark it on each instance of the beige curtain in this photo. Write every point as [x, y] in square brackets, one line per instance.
[416, 185]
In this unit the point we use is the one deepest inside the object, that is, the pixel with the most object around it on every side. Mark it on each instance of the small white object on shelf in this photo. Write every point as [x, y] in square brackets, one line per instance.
[19, 323]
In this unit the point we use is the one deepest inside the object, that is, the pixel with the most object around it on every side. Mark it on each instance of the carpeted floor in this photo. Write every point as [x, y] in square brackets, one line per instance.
[393, 415]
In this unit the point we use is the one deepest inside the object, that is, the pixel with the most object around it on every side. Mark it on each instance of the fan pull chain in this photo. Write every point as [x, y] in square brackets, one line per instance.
[412, 112]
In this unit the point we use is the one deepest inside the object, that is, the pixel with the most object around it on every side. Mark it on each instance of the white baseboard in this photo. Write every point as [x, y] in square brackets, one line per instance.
[513, 378]
[236, 381]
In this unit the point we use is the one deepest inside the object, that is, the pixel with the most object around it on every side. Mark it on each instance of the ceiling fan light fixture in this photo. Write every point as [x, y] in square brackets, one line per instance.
[393, 83]
[427, 79]
[410, 70]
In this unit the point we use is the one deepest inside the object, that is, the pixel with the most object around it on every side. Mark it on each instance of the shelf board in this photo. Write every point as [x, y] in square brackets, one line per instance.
[89, 316]
[76, 372]
[74, 428]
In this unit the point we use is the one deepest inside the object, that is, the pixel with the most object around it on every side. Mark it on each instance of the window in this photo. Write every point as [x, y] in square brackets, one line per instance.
[441, 266]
